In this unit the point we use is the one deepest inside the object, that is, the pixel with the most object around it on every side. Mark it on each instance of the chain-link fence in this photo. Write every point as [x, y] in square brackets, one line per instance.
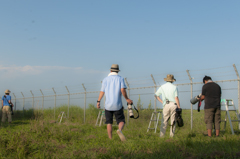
[140, 89]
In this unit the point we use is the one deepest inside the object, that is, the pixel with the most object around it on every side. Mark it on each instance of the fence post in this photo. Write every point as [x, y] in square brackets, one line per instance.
[32, 101]
[190, 78]
[235, 68]
[68, 99]
[55, 96]
[23, 102]
[128, 89]
[85, 99]
[15, 101]
[155, 89]
[42, 100]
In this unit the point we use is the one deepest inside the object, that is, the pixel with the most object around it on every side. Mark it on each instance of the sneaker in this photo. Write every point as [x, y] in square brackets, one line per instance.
[120, 134]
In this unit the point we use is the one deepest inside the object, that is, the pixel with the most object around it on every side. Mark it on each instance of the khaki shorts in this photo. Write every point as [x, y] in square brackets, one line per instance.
[212, 116]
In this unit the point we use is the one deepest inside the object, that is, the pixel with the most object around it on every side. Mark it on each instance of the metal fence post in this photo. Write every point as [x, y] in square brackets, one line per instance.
[235, 68]
[23, 102]
[32, 101]
[190, 78]
[42, 100]
[15, 102]
[85, 96]
[68, 99]
[55, 96]
[128, 89]
[155, 89]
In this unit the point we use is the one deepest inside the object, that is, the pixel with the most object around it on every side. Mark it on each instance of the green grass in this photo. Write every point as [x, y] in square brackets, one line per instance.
[36, 135]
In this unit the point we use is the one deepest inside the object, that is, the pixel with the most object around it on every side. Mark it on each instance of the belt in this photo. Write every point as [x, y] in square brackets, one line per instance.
[167, 102]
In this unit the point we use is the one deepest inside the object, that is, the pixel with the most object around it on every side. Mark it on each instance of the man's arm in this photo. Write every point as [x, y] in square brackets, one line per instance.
[177, 101]
[159, 99]
[202, 97]
[10, 102]
[124, 93]
[101, 94]
[2, 103]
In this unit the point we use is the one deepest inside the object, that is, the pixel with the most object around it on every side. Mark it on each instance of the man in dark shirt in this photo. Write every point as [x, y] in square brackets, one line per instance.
[211, 94]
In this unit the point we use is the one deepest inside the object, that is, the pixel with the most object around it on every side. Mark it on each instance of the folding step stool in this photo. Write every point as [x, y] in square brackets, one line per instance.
[227, 103]
[101, 117]
[155, 117]
[61, 116]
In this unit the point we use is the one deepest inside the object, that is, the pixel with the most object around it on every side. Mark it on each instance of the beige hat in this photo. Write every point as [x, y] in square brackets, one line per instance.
[170, 78]
[7, 91]
[115, 67]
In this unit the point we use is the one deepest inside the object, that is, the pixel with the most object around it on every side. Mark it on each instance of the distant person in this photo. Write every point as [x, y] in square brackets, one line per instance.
[6, 107]
[211, 94]
[114, 87]
[170, 103]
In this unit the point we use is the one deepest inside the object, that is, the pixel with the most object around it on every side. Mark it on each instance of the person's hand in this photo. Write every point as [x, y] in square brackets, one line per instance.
[98, 105]
[129, 101]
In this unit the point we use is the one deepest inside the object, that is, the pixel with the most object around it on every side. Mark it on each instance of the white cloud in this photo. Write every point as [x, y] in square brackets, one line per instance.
[28, 68]
[16, 71]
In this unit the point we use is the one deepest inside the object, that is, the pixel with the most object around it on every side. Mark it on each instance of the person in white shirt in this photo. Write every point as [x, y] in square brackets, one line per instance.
[170, 103]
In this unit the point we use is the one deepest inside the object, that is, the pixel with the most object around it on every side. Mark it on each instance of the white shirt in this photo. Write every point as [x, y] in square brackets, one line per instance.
[168, 91]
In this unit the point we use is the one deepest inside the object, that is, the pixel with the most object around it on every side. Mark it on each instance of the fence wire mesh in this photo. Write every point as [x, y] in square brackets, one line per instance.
[140, 89]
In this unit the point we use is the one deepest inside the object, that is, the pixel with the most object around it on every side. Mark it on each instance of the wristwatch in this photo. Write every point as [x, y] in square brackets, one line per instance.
[98, 101]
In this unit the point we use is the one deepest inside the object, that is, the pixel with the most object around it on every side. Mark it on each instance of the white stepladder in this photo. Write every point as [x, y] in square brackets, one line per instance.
[101, 117]
[227, 103]
[61, 116]
[155, 117]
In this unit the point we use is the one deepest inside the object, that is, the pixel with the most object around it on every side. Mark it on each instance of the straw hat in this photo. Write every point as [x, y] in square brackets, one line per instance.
[7, 91]
[115, 67]
[170, 78]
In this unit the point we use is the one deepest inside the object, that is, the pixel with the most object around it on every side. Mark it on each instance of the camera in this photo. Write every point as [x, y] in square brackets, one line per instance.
[179, 117]
[11, 107]
[130, 111]
[195, 99]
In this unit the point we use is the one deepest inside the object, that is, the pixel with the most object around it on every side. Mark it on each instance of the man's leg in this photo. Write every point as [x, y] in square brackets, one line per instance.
[217, 121]
[173, 108]
[121, 125]
[4, 114]
[209, 131]
[208, 117]
[165, 117]
[120, 118]
[109, 130]
[109, 121]
[9, 114]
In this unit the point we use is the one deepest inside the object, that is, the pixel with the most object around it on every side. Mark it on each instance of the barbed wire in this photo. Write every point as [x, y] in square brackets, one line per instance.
[142, 80]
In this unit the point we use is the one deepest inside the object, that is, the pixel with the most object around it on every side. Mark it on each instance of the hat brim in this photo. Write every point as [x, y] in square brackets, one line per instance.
[114, 70]
[169, 80]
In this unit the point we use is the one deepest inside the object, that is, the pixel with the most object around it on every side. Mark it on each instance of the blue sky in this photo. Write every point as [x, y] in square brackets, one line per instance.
[45, 44]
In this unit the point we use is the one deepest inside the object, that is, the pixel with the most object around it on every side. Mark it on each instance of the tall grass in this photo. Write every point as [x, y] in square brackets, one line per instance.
[36, 134]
